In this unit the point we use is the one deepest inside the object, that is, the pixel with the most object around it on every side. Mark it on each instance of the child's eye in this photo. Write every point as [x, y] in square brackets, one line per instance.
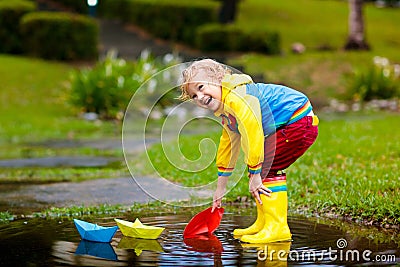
[200, 86]
[194, 96]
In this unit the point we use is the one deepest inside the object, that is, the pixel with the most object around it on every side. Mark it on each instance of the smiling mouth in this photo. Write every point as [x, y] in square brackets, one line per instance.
[208, 100]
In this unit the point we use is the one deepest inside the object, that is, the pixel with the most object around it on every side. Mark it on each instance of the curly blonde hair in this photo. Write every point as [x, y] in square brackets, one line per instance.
[215, 70]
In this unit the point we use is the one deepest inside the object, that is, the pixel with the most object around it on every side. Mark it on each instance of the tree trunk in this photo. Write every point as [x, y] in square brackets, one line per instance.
[227, 12]
[355, 39]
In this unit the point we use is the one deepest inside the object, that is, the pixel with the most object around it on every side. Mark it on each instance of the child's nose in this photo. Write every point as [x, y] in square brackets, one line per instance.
[200, 95]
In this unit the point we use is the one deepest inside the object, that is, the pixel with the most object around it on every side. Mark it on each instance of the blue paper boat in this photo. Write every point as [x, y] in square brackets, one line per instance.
[96, 249]
[94, 232]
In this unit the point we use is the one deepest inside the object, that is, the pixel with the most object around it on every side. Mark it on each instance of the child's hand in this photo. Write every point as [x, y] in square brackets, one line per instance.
[256, 187]
[219, 192]
[217, 199]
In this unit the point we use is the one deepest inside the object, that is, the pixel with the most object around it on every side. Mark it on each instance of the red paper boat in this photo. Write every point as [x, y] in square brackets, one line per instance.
[204, 222]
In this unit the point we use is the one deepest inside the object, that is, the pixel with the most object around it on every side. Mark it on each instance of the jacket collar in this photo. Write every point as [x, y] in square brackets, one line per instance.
[229, 83]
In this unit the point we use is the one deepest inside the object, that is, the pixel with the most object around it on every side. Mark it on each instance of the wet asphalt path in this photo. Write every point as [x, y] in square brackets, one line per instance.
[27, 198]
[20, 199]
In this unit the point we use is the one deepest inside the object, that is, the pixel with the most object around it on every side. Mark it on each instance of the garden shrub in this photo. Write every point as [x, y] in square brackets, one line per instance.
[191, 22]
[114, 9]
[79, 6]
[380, 80]
[60, 36]
[218, 37]
[173, 19]
[10, 14]
[215, 37]
[107, 88]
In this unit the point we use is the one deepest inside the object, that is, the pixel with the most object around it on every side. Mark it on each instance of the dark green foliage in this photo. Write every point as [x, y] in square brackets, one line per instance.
[10, 15]
[76, 5]
[217, 37]
[104, 89]
[114, 9]
[61, 36]
[107, 88]
[5, 217]
[190, 22]
[380, 80]
[172, 20]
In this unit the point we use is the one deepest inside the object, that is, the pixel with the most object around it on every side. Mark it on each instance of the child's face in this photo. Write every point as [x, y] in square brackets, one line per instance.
[204, 92]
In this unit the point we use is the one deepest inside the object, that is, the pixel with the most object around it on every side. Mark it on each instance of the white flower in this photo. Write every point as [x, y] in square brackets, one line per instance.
[166, 76]
[137, 77]
[396, 68]
[377, 60]
[121, 81]
[121, 62]
[386, 72]
[152, 84]
[381, 61]
[385, 62]
[168, 58]
[145, 54]
[147, 67]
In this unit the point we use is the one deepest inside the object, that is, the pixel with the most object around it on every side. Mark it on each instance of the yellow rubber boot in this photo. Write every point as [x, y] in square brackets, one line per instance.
[255, 227]
[275, 215]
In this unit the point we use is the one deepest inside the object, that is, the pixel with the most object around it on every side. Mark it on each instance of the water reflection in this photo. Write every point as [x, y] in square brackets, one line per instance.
[69, 254]
[49, 243]
[138, 245]
[204, 243]
[96, 249]
[209, 244]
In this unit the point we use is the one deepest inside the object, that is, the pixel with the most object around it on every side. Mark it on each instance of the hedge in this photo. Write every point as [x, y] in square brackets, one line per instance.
[80, 6]
[193, 22]
[173, 19]
[10, 14]
[218, 37]
[60, 36]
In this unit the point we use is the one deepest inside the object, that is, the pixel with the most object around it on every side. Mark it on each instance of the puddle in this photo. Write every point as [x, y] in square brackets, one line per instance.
[133, 144]
[39, 242]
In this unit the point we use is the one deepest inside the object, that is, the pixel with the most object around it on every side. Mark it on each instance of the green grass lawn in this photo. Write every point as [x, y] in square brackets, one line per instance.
[34, 106]
[321, 24]
[352, 170]
[322, 27]
[33, 110]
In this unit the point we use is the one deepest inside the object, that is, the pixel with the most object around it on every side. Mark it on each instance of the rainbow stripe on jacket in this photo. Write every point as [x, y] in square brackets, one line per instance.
[255, 169]
[300, 113]
[224, 171]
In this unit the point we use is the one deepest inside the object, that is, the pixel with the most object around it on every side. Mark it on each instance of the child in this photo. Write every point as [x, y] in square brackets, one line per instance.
[273, 124]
